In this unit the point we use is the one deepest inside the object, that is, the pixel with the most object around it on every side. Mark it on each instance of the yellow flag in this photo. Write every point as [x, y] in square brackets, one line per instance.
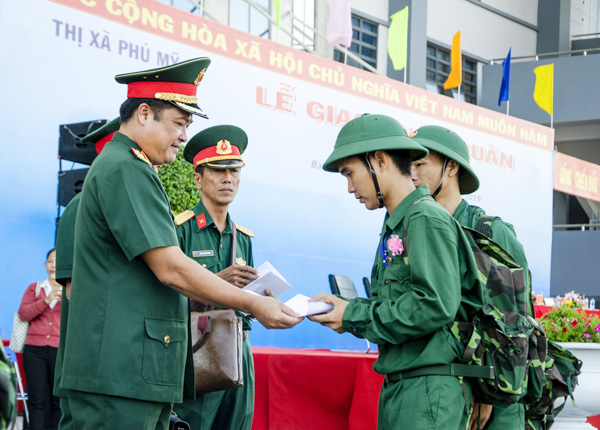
[455, 76]
[398, 39]
[543, 94]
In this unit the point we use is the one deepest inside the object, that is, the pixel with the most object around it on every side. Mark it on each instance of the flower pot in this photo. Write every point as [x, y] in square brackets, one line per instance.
[587, 392]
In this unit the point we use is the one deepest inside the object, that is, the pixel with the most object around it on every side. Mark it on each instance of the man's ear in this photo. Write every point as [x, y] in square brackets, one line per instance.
[452, 168]
[198, 180]
[380, 160]
[143, 113]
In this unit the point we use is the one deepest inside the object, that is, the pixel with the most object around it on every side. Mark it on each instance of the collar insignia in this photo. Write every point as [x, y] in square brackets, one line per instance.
[141, 156]
[201, 219]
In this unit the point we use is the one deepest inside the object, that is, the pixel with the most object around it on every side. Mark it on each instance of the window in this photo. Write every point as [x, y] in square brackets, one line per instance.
[364, 43]
[438, 69]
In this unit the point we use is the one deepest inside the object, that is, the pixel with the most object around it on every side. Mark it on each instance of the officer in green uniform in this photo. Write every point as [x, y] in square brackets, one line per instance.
[424, 277]
[205, 234]
[65, 238]
[127, 333]
[448, 173]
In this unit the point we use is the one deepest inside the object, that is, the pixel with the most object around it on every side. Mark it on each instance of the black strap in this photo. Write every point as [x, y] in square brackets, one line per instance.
[374, 176]
[439, 188]
[452, 369]
[484, 225]
[234, 243]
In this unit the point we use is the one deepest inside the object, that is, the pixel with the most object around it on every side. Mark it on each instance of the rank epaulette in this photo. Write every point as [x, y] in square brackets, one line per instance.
[141, 156]
[244, 230]
[184, 216]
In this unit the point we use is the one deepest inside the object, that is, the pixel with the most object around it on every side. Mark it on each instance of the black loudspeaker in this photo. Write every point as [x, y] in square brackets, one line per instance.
[70, 183]
[70, 147]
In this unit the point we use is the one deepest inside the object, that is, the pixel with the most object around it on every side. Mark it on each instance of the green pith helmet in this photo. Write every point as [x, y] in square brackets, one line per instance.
[219, 147]
[176, 84]
[103, 135]
[369, 133]
[451, 145]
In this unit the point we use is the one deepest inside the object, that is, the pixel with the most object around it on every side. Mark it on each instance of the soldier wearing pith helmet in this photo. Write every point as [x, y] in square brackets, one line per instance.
[208, 235]
[422, 270]
[127, 334]
[448, 173]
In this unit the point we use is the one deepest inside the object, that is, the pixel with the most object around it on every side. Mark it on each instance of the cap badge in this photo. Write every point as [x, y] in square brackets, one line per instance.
[224, 147]
[413, 134]
[199, 77]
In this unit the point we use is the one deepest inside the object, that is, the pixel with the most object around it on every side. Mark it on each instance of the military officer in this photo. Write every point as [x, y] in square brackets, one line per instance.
[424, 277]
[127, 332]
[448, 173]
[205, 234]
[65, 238]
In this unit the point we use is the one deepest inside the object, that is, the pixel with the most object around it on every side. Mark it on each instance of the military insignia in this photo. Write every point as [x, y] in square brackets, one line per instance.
[244, 230]
[224, 147]
[206, 253]
[141, 156]
[201, 219]
[240, 261]
[199, 77]
[183, 217]
[413, 134]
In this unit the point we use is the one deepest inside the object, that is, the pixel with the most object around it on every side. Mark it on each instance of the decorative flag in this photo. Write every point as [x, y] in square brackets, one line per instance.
[544, 87]
[505, 85]
[398, 39]
[277, 6]
[339, 26]
[455, 76]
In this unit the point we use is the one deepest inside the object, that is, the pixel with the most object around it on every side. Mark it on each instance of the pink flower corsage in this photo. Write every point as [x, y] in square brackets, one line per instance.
[395, 245]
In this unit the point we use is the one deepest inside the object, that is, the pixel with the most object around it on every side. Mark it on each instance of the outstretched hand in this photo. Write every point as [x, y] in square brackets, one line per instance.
[333, 318]
[272, 313]
[238, 276]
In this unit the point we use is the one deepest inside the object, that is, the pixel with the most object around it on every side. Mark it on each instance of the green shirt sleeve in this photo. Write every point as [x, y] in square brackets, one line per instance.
[139, 219]
[65, 241]
[417, 294]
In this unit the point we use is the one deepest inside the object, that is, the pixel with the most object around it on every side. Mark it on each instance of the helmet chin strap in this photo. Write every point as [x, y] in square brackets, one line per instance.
[439, 188]
[374, 176]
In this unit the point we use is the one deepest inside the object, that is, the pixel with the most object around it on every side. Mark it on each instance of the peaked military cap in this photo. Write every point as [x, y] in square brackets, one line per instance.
[176, 84]
[369, 133]
[451, 145]
[103, 135]
[219, 147]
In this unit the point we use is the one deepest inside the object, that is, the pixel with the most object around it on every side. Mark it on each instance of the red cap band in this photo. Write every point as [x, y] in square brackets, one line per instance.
[148, 90]
[100, 144]
[211, 154]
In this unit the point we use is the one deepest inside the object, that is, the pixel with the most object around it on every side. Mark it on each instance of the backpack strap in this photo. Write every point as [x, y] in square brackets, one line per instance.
[484, 225]
[38, 287]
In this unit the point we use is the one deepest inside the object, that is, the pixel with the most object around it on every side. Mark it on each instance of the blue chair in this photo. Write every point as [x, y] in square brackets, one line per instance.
[21, 394]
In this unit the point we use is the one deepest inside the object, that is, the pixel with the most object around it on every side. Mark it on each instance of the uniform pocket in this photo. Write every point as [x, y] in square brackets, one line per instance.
[164, 351]
[396, 279]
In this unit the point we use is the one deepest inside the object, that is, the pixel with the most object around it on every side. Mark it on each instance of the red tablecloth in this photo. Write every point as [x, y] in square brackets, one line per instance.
[315, 389]
[541, 310]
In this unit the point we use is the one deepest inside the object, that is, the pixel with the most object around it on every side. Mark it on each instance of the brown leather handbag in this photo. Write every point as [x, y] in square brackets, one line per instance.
[217, 342]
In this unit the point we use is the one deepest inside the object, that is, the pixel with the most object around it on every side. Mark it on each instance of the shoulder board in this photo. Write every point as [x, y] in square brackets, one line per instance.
[141, 156]
[184, 216]
[244, 230]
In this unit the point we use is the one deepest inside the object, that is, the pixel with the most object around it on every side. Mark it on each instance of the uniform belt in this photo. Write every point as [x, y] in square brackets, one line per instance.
[244, 334]
[452, 369]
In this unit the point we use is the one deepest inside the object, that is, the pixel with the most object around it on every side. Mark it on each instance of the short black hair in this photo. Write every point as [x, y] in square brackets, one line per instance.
[200, 169]
[400, 157]
[50, 252]
[129, 107]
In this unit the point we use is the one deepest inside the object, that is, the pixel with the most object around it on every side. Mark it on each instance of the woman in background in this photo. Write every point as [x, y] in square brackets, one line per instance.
[41, 307]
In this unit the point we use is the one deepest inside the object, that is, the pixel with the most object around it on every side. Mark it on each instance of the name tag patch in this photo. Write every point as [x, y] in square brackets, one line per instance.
[207, 253]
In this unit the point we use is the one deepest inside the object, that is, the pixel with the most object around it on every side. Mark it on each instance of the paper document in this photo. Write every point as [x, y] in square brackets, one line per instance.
[268, 279]
[300, 304]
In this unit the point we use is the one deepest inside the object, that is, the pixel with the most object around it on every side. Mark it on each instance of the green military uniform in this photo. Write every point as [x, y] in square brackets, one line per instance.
[200, 239]
[65, 239]
[414, 299]
[424, 277]
[449, 144]
[219, 147]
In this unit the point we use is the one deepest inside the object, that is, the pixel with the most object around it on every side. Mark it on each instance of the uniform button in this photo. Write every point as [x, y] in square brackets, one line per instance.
[221, 245]
[167, 339]
[49, 323]
[387, 281]
[47, 336]
[204, 265]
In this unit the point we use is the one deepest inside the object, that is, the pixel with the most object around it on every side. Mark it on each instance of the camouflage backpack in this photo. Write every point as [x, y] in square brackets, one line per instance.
[561, 371]
[502, 334]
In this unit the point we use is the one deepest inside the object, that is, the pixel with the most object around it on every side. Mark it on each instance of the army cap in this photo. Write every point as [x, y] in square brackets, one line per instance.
[369, 133]
[451, 145]
[219, 147]
[176, 84]
[103, 135]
